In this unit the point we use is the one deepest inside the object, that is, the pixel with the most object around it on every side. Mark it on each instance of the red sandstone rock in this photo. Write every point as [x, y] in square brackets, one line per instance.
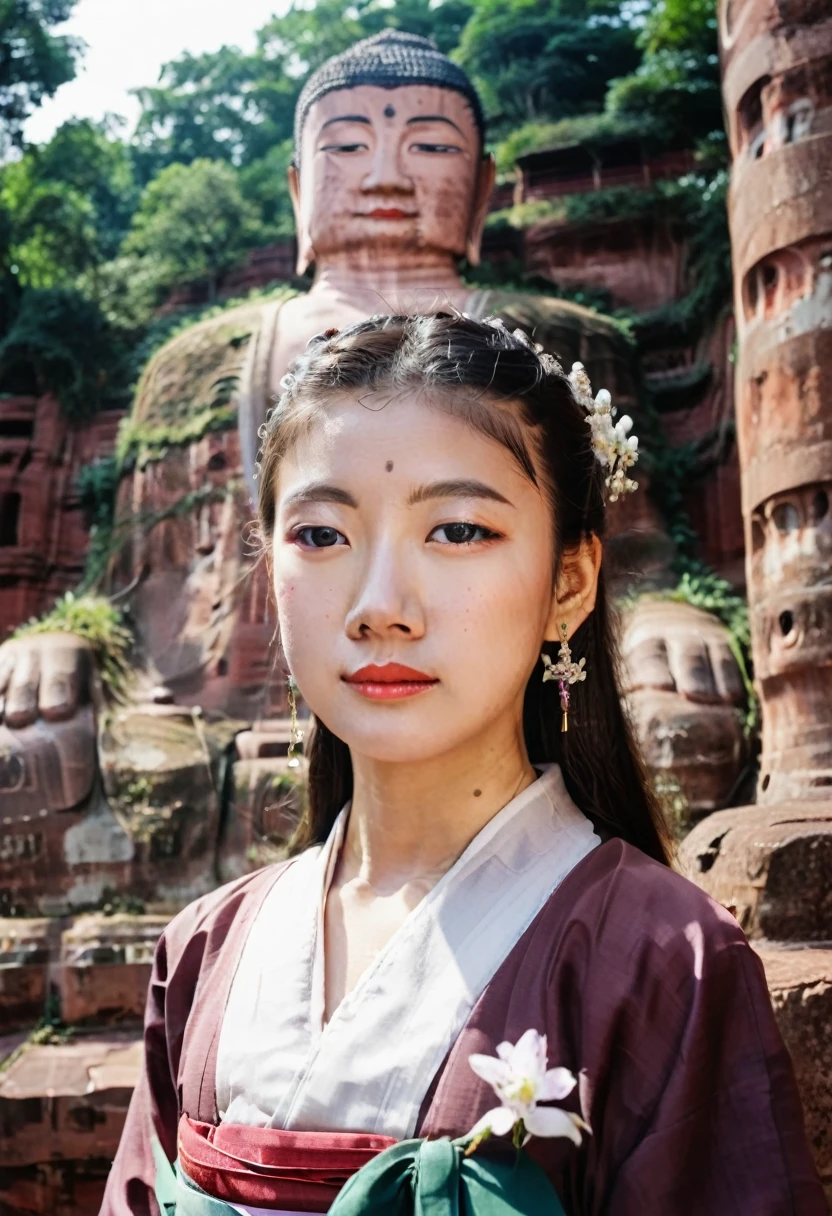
[62, 1111]
[777, 57]
[772, 864]
[800, 982]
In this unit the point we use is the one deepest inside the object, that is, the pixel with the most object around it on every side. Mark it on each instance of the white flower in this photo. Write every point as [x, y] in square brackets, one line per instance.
[521, 1079]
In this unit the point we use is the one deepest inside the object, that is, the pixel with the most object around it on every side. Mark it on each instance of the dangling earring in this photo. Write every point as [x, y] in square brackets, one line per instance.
[295, 733]
[565, 672]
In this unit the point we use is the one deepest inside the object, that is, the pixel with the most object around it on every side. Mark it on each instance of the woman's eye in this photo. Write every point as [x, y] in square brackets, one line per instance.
[319, 537]
[461, 534]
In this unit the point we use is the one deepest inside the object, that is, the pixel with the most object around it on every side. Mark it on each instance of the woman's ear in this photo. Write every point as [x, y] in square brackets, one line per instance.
[577, 588]
[479, 209]
[306, 254]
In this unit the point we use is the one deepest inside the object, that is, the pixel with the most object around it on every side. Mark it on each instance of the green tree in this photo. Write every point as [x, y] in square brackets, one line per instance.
[69, 203]
[194, 223]
[34, 61]
[536, 60]
[677, 82]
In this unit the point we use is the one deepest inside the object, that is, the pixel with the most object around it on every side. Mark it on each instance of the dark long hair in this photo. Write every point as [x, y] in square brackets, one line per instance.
[500, 384]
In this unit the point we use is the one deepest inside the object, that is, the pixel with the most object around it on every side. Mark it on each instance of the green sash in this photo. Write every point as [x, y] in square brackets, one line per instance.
[435, 1178]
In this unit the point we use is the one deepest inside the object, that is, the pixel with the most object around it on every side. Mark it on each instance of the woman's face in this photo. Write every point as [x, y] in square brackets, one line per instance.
[405, 539]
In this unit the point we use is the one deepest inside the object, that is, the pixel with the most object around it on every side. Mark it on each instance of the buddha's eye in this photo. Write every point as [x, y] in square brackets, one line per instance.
[318, 537]
[461, 534]
[436, 148]
[348, 148]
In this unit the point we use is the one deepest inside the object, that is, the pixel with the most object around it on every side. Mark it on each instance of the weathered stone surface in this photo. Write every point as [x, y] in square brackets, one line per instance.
[105, 965]
[26, 949]
[62, 1111]
[267, 799]
[800, 983]
[771, 864]
[43, 535]
[777, 60]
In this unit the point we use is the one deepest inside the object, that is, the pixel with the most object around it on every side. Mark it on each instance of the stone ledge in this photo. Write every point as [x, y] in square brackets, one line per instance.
[771, 865]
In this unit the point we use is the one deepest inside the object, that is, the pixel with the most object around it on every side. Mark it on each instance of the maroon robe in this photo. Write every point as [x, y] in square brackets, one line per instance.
[646, 989]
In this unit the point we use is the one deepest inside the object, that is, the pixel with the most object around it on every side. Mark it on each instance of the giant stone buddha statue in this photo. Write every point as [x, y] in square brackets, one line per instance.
[391, 187]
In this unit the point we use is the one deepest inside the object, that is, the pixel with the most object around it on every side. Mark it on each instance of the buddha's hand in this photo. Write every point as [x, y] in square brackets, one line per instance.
[673, 647]
[686, 696]
[47, 675]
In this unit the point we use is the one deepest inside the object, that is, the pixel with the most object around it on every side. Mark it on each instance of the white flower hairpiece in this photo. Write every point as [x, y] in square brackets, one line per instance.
[615, 448]
[521, 1078]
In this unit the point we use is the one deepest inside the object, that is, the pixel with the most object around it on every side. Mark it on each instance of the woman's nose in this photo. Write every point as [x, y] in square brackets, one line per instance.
[387, 603]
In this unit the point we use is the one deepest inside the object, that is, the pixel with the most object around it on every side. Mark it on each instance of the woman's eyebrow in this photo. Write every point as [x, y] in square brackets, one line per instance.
[320, 491]
[455, 489]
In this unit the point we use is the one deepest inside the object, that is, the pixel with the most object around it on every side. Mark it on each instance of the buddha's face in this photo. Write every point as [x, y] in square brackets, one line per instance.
[393, 172]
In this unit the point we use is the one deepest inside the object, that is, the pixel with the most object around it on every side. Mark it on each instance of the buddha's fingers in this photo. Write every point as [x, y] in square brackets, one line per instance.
[729, 681]
[21, 699]
[690, 666]
[64, 678]
[646, 665]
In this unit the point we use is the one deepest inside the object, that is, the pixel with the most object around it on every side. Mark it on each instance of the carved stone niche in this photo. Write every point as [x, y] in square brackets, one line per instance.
[790, 561]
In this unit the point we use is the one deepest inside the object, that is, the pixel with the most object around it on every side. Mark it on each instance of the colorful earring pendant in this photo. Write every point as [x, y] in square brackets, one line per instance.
[566, 673]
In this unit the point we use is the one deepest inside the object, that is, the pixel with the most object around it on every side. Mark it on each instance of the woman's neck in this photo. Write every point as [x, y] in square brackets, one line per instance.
[412, 821]
[392, 285]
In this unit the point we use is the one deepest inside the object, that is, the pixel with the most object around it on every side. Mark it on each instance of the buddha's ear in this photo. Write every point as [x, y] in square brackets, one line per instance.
[306, 254]
[479, 211]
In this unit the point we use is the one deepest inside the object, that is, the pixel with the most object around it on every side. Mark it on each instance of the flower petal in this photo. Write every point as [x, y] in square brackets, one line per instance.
[490, 1069]
[528, 1060]
[556, 1085]
[498, 1121]
[549, 1121]
[504, 1050]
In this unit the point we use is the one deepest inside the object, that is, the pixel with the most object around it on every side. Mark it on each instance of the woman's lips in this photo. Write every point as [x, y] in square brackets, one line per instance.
[390, 682]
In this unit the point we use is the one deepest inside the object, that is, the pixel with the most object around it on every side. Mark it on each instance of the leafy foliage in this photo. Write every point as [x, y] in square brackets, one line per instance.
[72, 349]
[545, 59]
[34, 61]
[101, 625]
[193, 222]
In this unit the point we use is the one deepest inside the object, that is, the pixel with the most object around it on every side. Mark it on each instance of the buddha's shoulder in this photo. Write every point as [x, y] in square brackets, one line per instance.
[547, 313]
[201, 366]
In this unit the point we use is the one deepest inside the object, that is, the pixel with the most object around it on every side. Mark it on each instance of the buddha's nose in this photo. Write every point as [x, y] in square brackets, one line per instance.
[387, 174]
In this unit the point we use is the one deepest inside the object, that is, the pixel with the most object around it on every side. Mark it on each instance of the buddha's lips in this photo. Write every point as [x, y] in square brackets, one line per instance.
[388, 213]
[390, 682]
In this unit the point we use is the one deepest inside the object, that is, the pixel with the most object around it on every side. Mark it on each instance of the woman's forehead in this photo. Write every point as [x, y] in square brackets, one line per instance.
[359, 436]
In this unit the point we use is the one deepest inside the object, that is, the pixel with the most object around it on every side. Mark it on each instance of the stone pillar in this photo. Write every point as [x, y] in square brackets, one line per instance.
[777, 83]
[772, 863]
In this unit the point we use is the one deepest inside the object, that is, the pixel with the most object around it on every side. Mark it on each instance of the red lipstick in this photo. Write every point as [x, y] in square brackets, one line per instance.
[391, 682]
[389, 213]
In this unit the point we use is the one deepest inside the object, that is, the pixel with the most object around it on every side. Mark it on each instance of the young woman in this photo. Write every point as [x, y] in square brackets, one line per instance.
[467, 869]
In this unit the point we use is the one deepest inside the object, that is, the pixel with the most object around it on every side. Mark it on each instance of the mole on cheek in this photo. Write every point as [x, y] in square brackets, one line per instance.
[389, 466]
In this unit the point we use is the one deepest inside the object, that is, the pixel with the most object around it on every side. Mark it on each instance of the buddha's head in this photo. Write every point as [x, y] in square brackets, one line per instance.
[389, 155]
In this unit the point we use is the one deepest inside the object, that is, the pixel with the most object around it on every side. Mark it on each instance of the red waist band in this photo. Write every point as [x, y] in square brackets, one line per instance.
[269, 1168]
